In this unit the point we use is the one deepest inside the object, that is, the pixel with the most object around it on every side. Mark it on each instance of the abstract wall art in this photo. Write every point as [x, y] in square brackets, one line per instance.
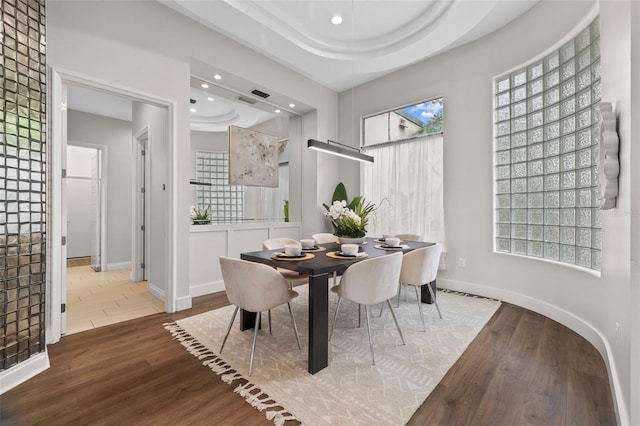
[253, 158]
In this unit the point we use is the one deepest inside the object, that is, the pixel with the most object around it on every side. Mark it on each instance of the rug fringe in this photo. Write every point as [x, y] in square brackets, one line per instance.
[259, 400]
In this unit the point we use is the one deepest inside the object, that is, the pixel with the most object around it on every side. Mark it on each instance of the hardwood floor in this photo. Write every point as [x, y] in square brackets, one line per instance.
[522, 369]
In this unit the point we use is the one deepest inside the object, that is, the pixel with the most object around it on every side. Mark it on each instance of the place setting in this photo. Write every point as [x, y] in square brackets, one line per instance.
[292, 252]
[390, 243]
[347, 251]
[309, 245]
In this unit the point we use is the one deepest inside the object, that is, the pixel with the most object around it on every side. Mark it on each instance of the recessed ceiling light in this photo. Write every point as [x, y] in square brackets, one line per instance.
[204, 85]
[292, 105]
[210, 99]
[336, 19]
[217, 77]
[277, 111]
[192, 109]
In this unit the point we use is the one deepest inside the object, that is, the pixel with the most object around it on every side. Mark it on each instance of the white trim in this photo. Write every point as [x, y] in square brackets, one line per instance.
[23, 371]
[139, 248]
[183, 303]
[564, 317]
[56, 253]
[156, 291]
[206, 288]
[116, 266]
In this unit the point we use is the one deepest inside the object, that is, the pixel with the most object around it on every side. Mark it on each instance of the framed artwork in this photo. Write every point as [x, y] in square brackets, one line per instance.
[253, 158]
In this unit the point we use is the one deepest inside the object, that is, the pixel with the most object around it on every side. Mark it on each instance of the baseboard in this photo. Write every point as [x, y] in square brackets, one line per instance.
[183, 303]
[155, 290]
[23, 371]
[206, 288]
[566, 318]
[115, 266]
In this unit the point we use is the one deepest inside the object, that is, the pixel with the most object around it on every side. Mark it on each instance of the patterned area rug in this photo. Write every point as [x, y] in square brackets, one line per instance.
[350, 391]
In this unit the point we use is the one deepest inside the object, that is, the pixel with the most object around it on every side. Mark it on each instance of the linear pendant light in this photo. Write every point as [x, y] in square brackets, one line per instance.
[341, 150]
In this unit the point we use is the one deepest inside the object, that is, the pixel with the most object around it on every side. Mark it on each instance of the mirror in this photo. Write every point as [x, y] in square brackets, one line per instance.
[214, 108]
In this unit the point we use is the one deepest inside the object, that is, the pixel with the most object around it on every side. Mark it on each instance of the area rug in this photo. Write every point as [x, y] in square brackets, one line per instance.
[350, 391]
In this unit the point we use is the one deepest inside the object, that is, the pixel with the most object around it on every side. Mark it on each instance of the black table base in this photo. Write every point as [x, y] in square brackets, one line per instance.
[425, 296]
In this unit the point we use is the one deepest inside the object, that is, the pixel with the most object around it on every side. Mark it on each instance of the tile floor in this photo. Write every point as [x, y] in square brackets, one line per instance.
[95, 299]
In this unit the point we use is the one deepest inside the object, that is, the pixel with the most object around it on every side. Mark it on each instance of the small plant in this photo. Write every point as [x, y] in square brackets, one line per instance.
[348, 220]
[199, 213]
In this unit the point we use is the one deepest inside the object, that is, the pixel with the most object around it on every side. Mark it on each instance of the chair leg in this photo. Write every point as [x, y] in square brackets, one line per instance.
[270, 332]
[293, 323]
[396, 321]
[381, 309]
[399, 291]
[373, 355]
[433, 297]
[420, 308]
[335, 315]
[253, 346]
[359, 315]
[233, 317]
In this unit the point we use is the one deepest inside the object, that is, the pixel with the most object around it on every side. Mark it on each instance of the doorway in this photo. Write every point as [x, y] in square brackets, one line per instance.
[104, 253]
[86, 190]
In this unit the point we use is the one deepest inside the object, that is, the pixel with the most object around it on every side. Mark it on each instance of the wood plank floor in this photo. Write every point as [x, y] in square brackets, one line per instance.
[522, 369]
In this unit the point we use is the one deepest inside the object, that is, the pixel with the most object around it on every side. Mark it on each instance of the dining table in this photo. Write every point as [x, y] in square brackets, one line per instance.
[318, 268]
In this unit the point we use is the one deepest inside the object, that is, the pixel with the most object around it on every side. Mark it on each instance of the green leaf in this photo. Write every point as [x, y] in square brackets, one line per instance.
[340, 193]
[355, 203]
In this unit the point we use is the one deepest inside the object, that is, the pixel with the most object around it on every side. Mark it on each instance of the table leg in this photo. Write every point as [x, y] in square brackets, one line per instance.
[247, 320]
[318, 323]
[425, 296]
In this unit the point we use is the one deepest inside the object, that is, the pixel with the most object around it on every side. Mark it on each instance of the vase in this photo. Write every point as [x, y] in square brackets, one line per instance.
[347, 240]
[201, 221]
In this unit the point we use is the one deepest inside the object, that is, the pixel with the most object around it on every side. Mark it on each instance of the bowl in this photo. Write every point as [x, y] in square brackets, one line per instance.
[308, 243]
[393, 241]
[349, 249]
[292, 249]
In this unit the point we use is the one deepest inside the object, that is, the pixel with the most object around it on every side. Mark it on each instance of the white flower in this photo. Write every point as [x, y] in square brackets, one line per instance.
[337, 209]
[353, 215]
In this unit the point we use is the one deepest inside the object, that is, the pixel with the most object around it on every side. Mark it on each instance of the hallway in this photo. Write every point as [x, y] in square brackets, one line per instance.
[96, 299]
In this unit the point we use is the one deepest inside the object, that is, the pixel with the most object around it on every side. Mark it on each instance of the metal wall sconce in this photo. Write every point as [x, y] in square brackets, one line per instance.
[341, 150]
[609, 161]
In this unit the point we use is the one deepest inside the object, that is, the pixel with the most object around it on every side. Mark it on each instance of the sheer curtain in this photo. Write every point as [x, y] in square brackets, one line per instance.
[268, 203]
[406, 182]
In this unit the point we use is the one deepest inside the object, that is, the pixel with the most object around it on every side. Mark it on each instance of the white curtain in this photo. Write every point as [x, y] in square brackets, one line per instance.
[268, 203]
[406, 182]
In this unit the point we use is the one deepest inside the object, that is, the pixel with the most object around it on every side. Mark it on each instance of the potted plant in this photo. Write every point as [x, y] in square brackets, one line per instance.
[200, 216]
[349, 220]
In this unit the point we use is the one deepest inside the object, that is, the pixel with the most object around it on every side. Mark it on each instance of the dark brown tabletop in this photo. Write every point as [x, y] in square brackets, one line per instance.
[318, 270]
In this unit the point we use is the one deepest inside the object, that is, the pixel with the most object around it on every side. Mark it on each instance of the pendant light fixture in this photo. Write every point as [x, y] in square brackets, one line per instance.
[339, 149]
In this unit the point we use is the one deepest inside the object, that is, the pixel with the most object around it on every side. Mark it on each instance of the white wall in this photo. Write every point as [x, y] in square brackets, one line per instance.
[584, 301]
[146, 49]
[84, 128]
[155, 120]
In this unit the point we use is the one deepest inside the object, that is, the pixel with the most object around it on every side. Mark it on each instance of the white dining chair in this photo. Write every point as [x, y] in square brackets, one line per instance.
[292, 278]
[324, 238]
[255, 287]
[409, 237]
[420, 267]
[370, 282]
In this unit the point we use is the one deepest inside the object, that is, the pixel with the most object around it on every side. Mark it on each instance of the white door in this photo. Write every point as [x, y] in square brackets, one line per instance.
[96, 207]
[140, 262]
[56, 238]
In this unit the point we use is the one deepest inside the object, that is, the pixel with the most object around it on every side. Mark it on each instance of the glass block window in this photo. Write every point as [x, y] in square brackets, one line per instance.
[225, 202]
[546, 153]
[22, 180]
